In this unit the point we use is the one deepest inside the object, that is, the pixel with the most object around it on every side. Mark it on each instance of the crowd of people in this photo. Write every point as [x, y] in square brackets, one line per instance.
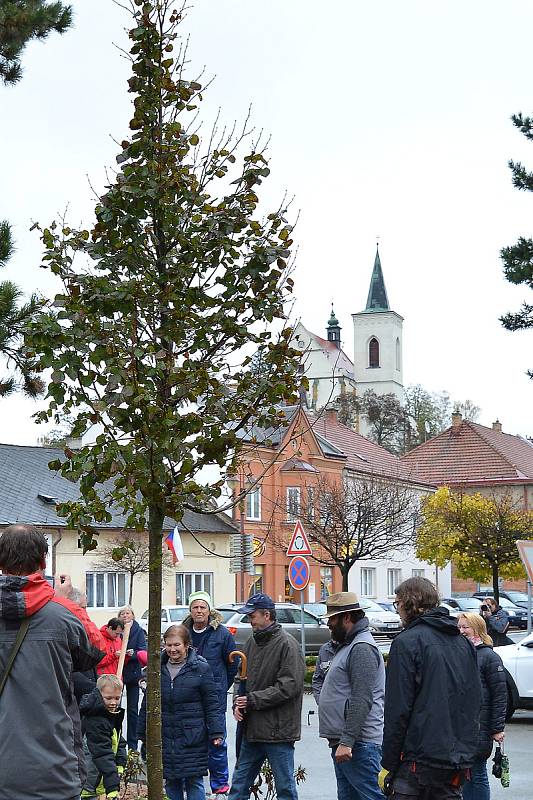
[422, 727]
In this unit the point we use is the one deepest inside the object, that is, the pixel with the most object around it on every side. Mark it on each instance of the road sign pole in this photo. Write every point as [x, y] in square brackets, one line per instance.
[302, 621]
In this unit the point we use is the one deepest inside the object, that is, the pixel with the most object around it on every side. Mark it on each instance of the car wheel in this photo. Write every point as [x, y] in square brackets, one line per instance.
[510, 705]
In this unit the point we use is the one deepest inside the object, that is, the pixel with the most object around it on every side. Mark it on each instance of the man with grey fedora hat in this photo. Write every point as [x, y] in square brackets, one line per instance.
[350, 707]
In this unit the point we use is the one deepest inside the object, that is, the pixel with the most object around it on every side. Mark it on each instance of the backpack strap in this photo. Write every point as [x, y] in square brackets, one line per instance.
[22, 631]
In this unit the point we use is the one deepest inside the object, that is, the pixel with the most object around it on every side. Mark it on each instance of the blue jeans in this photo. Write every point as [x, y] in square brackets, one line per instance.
[194, 788]
[477, 788]
[357, 779]
[217, 761]
[132, 697]
[280, 756]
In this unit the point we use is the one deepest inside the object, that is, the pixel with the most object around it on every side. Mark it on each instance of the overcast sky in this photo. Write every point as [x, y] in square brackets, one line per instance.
[387, 119]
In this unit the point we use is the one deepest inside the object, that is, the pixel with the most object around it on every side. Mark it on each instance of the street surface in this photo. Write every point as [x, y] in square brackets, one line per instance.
[313, 754]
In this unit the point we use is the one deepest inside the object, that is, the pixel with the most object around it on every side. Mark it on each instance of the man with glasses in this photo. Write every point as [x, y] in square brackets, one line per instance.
[432, 701]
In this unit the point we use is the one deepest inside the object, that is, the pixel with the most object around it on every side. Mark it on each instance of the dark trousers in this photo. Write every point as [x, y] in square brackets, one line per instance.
[409, 785]
[132, 696]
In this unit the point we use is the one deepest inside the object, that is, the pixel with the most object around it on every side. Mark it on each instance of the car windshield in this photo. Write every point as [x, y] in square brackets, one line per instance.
[505, 603]
[468, 603]
[177, 614]
[226, 613]
[370, 605]
[517, 597]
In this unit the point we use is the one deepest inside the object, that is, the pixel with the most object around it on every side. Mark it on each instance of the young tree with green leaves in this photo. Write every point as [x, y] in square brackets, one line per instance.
[24, 20]
[518, 258]
[477, 533]
[164, 300]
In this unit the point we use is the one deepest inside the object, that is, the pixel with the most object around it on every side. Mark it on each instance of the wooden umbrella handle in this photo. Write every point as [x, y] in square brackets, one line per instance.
[243, 666]
[124, 647]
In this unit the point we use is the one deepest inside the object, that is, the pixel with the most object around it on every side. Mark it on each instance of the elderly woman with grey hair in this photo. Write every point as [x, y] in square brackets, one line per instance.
[132, 673]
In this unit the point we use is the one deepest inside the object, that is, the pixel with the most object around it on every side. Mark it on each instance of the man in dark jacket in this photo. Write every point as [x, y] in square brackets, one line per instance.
[323, 663]
[212, 640]
[272, 707]
[44, 759]
[432, 700]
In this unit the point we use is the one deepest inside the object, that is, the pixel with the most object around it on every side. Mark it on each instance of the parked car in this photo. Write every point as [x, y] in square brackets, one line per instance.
[170, 615]
[387, 605]
[381, 621]
[517, 615]
[318, 609]
[518, 662]
[289, 616]
[515, 597]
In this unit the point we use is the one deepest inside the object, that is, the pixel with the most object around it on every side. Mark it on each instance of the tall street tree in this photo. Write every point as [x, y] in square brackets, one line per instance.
[518, 258]
[21, 21]
[359, 518]
[164, 301]
[477, 533]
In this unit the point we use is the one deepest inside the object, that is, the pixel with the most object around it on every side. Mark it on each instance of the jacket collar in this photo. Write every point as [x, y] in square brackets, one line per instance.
[23, 595]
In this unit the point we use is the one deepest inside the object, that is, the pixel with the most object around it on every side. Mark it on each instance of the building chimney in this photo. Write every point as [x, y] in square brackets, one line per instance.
[457, 419]
[497, 426]
[332, 416]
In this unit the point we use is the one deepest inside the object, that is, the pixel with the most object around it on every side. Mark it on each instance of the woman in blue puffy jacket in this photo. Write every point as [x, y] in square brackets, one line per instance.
[190, 716]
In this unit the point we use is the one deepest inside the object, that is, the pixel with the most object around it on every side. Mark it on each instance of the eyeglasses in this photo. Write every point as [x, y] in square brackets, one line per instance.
[396, 604]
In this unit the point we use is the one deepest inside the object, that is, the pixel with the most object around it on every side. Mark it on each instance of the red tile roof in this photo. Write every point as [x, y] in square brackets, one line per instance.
[472, 453]
[362, 455]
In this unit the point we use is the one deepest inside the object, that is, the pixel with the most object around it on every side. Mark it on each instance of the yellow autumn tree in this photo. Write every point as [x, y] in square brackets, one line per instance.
[477, 533]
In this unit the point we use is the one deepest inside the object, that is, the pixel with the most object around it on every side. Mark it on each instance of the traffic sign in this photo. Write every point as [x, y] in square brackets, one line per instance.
[299, 572]
[299, 544]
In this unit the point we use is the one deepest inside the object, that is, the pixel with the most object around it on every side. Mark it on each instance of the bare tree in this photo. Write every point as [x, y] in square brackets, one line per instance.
[363, 518]
[129, 553]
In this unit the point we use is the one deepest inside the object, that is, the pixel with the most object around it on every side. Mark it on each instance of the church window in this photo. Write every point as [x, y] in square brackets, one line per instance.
[398, 355]
[373, 352]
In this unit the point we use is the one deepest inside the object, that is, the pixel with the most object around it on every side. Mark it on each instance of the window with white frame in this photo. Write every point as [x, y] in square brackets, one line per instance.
[293, 503]
[418, 573]
[107, 589]
[394, 578]
[253, 504]
[368, 581]
[189, 582]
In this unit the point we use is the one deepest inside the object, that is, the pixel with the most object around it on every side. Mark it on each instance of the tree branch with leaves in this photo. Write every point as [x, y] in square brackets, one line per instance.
[163, 302]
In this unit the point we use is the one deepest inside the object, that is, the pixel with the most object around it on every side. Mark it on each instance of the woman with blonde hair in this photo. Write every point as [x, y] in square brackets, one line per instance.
[493, 703]
[132, 672]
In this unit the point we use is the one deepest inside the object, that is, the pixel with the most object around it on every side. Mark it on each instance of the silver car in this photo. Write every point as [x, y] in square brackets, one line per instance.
[289, 617]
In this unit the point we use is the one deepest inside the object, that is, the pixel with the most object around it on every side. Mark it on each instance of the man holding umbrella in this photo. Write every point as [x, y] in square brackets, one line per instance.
[272, 706]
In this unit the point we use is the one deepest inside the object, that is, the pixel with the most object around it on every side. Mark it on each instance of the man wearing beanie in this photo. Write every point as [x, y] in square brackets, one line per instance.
[212, 640]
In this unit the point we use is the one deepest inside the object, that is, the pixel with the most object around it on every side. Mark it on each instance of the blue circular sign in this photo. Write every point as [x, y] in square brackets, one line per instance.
[299, 572]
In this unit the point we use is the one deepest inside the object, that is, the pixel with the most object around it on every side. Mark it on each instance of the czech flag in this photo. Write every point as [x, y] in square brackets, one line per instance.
[173, 542]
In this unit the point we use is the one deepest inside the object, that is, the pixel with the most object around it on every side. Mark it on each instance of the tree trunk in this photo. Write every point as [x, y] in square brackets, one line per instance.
[344, 572]
[153, 693]
[495, 583]
[130, 597]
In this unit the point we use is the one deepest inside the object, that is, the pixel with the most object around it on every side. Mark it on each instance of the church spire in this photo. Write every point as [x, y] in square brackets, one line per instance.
[377, 294]
[334, 329]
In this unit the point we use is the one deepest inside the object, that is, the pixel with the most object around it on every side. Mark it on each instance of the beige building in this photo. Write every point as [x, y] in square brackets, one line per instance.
[29, 493]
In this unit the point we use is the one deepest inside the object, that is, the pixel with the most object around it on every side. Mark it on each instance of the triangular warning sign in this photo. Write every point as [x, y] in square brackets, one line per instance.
[525, 548]
[299, 544]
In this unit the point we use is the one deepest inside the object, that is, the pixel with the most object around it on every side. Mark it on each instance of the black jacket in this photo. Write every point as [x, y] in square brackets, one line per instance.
[432, 696]
[493, 698]
[104, 747]
[136, 641]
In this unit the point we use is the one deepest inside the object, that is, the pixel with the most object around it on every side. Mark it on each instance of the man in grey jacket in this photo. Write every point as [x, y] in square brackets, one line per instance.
[40, 746]
[350, 706]
[272, 708]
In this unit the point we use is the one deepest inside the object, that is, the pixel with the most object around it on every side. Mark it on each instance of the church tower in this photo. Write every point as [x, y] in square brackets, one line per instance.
[378, 341]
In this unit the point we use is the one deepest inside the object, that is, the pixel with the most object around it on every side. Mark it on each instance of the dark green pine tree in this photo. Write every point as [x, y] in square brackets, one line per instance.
[20, 22]
[13, 319]
[518, 259]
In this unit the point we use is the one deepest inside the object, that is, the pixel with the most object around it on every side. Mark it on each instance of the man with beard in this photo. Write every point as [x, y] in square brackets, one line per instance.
[350, 706]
